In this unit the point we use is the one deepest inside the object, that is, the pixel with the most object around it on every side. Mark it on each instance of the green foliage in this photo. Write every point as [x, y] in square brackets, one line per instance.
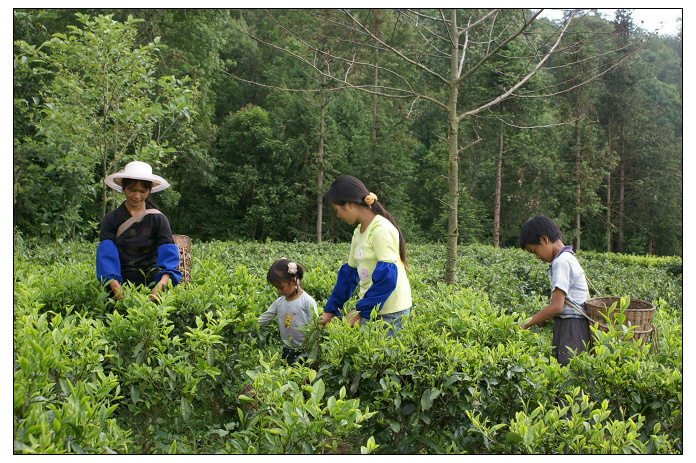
[100, 104]
[253, 161]
[64, 402]
[191, 373]
[288, 412]
[176, 75]
[580, 428]
[647, 379]
[160, 364]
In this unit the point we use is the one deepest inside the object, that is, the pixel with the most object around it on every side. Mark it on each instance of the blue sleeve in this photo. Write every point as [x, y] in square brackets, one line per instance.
[383, 284]
[346, 282]
[168, 261]
[108, 262]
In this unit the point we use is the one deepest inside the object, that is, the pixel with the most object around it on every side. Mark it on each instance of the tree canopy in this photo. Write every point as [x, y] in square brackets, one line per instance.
[464, 122]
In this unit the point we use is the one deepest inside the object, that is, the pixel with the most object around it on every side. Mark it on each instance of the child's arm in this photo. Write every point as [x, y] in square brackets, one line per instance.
[383, 284]
[554, 308]
[346, 282]
[266, 317]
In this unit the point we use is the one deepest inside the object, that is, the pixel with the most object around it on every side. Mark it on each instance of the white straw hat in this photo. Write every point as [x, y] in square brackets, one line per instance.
[136, 170]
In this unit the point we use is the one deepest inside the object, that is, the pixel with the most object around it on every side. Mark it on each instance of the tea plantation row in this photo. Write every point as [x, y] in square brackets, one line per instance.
[192, 373]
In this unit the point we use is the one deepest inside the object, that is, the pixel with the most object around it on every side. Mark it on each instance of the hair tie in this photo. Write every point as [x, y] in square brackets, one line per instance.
[292, 268]
[371, 198]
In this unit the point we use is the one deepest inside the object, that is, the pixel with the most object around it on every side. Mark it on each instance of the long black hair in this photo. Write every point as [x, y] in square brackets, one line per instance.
[348, 189]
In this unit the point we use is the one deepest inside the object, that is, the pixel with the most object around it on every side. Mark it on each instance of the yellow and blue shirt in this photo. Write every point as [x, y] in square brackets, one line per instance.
[375, 268]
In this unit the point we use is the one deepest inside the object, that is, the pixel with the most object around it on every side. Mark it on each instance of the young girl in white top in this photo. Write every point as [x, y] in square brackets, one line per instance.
[293, 309]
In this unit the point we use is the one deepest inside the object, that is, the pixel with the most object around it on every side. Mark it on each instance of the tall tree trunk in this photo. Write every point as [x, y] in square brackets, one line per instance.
[611, 120]
[622, 186]
[320, 161]
[498, 191]
[474, 171]
[609, 212]
[578, 188]
[103, 212]
[303, 190]
[373, 134]
[104, 166]
[453, 156]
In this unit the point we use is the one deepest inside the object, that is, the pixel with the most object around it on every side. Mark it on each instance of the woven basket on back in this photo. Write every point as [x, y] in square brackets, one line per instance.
[183, 242]
[639, 313]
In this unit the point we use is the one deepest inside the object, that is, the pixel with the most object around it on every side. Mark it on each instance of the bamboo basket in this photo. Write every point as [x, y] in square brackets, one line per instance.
[639, 314]
[183, 242]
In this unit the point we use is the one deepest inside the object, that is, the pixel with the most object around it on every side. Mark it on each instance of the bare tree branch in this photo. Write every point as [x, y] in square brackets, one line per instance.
[344, 84]
[507, 93]
[394, 50]
[584, 82]
[534, 126]
[499, 47]
[464, 148]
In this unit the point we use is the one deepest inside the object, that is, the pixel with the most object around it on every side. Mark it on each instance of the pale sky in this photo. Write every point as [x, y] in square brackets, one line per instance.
[652, 18]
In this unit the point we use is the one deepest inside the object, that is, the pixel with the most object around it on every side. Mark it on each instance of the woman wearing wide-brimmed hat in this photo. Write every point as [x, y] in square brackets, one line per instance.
[135, 239]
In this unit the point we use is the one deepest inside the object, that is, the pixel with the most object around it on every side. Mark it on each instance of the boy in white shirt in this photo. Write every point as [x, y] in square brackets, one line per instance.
[571, 332]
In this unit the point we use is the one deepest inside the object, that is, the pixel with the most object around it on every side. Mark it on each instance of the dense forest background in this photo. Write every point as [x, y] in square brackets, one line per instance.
[250, 114]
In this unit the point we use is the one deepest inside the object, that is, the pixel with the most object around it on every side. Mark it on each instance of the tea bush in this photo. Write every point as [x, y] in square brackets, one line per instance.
[192, 373]
[63, 400]
[580, 428]
[289, 413]
[647, 382]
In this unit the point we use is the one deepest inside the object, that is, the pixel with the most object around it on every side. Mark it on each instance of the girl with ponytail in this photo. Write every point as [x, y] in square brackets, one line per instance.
[293, 309]
[377, 260]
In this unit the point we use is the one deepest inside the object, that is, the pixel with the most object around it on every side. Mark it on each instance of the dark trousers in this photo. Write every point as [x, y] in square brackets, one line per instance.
[570, 336]
[291, 355]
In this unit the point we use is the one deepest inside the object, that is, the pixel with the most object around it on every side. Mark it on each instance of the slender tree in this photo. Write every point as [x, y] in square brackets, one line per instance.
[452, 46]
[103, 103]
[617, 102]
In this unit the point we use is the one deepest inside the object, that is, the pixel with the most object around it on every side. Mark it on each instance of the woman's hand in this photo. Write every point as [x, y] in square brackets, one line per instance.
[325, 318]
[353, 317]
[159, 287]
[154, 294]
[116, 290]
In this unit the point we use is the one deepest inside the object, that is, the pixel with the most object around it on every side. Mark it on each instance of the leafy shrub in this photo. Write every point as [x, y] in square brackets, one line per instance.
[176, 376]
[157, 369]
[648, 387]
[289, 413]
[62, 397]
[578, 428]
